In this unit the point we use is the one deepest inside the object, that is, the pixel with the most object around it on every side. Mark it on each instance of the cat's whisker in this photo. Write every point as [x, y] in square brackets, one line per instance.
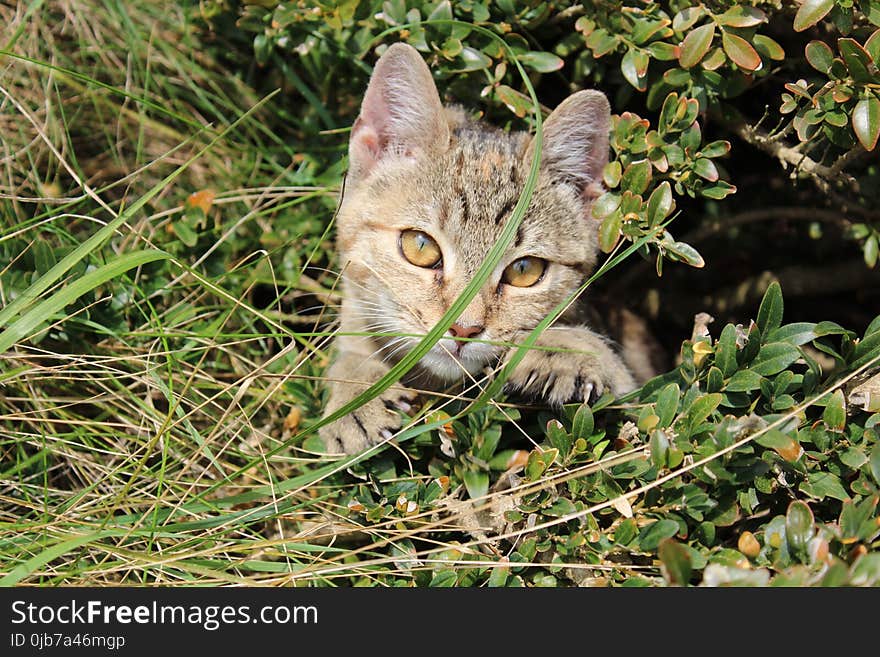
[404, 344]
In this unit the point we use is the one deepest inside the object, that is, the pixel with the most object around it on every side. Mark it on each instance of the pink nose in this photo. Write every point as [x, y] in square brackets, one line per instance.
[459, 331]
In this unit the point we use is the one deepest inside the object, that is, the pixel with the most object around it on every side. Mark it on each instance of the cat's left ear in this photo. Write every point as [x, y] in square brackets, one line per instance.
[575, 145]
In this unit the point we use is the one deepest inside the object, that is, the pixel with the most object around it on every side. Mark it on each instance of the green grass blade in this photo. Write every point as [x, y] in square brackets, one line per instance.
[41, 312]
[21, 571]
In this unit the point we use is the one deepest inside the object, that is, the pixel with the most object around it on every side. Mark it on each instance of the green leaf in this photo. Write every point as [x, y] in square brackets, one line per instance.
[725, 351]
[626, 531]
[535, 466]
[476, 482]
[667, 404]
[660, 203]
[442, 12]
[853, 458]
[605, 205]
[719, 191]
[636, 177]
[875, 463]
[774, 439]
[834, 415]
[866, 570]
[634, 67]
[824, 484]
[819, 55]
[774, 357]
[601, 43]
[515, 101]
[558, 436]
[498, 576]
[705, 168]
[715, 148]
[870, 251]
[742, 16]
[651, 535]
[676, 562]
[687, 17]
[185, 232]
[696, 45]
[866, 122]
[582, 424]
[744, 381]
[872, 45]
[714, 380]
[768, 48]
[612, 173]
[810, 13]
[798, 526]
[663, 51]
[685, 253]
[659, 445]
[24, 326]
[770, 311]
[703, 408]
[543, 62]
[857, 59]
[740, 51]
[609, 231]
[797, 334]
[444, 578]
[473, 60]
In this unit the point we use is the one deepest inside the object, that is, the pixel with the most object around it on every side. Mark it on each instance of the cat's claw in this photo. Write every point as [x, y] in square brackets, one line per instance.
[563, 378]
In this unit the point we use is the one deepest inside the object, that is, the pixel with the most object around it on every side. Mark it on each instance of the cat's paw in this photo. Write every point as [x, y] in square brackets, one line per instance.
[563, 378]
[371, 424]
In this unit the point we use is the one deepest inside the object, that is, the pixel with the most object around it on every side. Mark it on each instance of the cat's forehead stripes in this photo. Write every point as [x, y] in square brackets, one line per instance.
[475, 187]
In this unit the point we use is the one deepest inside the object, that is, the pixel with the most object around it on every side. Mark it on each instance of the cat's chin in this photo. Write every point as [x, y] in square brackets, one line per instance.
[440, 363]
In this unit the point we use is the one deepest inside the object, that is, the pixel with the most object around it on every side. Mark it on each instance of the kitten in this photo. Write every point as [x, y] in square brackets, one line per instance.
[427, 194]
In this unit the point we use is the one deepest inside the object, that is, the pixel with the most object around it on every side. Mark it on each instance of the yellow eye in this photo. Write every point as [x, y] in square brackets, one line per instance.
[524, 272]
[419, 248]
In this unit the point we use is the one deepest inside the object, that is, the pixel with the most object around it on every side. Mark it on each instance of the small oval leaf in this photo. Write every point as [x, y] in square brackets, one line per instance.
[696, 45]
[771, 309]
[866, 122]
[741, 52]
[543, 62]
[819, 55]
[810, 13]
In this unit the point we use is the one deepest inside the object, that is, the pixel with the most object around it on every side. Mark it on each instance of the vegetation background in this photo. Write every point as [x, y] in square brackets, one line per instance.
[168, 176]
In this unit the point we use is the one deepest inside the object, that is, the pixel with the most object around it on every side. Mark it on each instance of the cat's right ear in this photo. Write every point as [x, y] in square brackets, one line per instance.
[576, 141]
[401, 114]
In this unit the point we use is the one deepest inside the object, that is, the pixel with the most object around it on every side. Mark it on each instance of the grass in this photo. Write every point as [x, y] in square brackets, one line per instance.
[163, 354]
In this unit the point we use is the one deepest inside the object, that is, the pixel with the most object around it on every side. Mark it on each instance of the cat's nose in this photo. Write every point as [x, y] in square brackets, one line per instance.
[459, 331]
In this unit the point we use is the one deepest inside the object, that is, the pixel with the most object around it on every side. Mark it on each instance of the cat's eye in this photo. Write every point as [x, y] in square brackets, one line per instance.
[420, 248]
[524, 272]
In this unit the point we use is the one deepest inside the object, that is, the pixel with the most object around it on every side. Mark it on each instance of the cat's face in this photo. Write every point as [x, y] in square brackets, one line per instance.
[427, 198]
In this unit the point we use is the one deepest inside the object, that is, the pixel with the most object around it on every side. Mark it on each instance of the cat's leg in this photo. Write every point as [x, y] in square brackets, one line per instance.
[370, 424]
[572, 364]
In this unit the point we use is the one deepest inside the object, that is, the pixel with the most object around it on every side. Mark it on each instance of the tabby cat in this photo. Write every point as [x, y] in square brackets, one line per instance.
[427, 194]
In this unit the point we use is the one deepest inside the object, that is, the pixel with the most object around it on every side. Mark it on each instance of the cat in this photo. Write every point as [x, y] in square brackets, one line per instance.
[427, 194]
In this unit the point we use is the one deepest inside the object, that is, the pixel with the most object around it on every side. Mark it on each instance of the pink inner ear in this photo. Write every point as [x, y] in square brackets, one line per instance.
[366, 145]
